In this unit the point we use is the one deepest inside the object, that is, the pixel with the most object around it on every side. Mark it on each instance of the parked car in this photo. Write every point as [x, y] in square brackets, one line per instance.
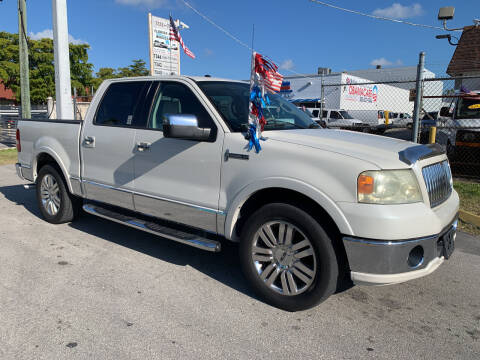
[376, 119]
[338, 118]
[170, 156]
[404, 119]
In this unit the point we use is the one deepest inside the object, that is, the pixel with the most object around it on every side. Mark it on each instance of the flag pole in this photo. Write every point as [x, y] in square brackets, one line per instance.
[252, 78]
[150, 40]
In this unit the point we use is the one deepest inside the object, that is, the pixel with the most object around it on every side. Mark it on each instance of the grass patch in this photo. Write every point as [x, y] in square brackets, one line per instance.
[469, 193]
[8, 156]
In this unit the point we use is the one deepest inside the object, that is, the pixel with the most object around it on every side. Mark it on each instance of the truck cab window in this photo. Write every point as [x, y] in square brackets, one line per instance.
[177, 98]
[120, 105]
[335, 115]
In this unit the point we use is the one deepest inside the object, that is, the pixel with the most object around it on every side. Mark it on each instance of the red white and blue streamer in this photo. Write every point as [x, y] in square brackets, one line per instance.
[264, 78]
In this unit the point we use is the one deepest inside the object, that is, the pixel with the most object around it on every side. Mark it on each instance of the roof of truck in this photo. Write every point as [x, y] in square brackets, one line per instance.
[173, 77]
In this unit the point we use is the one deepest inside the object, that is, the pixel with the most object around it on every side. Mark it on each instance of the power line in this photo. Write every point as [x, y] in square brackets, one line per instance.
[217, 26]
[375, 16]
[206, 18]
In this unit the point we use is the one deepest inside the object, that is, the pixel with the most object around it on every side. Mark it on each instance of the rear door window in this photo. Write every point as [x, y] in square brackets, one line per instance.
[315, 113]
[123, 104]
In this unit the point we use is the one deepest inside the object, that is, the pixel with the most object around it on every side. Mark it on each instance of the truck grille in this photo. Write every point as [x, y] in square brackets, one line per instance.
[438, 179]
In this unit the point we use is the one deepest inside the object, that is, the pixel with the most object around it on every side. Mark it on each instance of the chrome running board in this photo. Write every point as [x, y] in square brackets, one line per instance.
[154, 228]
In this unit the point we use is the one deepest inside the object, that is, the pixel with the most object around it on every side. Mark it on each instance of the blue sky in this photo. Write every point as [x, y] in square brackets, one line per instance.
[299, 35]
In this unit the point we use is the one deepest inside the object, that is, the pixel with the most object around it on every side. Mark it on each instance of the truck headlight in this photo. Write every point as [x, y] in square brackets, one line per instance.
[388, 187]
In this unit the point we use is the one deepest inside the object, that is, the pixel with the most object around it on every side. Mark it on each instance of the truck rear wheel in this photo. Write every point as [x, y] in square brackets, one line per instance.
[288, 258]
[56, 203]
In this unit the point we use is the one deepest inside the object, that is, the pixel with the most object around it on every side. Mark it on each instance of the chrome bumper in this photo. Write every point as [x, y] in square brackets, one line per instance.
[379, 262]
[24, 172]
[19, 168]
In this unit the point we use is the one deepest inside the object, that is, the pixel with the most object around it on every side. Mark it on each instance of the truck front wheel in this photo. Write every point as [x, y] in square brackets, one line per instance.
[56, 203]
[288, 258]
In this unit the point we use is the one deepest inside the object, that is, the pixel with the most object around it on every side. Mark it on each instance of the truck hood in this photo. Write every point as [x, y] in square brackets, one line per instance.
[378, 150]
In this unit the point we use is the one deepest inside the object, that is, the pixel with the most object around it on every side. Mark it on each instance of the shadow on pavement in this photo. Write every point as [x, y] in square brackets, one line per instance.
[18, 195]
[223, 266]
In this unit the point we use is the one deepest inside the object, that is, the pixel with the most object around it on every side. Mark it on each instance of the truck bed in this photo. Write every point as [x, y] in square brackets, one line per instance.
[58, 138]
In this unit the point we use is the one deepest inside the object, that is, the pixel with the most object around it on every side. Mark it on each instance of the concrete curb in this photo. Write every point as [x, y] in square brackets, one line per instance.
[469, 217]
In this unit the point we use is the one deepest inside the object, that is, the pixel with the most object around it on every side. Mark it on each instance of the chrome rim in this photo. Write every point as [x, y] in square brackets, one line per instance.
[284, 258]
[50, 195]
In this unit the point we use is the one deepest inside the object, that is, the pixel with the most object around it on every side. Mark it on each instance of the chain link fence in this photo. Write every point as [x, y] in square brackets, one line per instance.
[9, 115]
[449, 109]
[455, 122]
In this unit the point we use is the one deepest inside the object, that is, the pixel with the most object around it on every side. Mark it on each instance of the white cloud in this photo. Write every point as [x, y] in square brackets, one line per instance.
[151, 4]
[384, 62]
[208, 52]
[287, 64]
[48, 33]
[398, 11]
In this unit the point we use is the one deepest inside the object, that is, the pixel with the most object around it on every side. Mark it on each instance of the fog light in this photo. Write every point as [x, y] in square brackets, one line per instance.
[415, 258]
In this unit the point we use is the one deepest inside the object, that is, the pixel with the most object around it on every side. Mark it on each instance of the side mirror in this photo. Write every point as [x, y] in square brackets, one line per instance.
[445, 111]
[184, 126]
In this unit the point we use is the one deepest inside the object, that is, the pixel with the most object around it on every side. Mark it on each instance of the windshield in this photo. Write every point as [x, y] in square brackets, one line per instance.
[345, 114]
[468, 108]
[231, 100]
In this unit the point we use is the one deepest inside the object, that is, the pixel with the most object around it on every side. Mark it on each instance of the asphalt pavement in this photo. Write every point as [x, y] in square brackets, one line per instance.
[96, 289]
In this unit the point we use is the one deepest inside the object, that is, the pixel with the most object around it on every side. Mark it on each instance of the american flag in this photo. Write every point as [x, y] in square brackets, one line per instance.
[175, 35]
[267, 70]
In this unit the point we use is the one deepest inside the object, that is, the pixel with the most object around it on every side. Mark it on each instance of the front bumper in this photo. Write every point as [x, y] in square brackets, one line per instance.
[377, 262]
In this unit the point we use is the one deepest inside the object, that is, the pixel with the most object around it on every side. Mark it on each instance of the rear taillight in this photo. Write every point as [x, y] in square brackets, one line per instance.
[19, 145]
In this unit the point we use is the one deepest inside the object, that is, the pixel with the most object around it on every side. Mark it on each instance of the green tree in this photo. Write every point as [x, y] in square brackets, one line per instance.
[137, 68]
[41, 65]
[103, 74]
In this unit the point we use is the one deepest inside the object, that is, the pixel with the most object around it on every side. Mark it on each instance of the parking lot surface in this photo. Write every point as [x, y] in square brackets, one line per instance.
[96, 289]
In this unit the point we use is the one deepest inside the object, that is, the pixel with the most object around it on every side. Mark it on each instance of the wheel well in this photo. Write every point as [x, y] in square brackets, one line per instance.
[275, 195]
[280, 195]
[44, 159]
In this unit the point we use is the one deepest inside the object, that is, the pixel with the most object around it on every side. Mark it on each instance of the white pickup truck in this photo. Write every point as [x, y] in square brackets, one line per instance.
[169, 155]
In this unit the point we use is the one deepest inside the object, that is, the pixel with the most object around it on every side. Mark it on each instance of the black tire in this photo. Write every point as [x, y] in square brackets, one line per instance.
[324, 281]
[69, 205]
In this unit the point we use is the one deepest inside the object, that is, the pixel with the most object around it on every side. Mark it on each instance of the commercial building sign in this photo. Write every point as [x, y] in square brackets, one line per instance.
[360, 93]
[164, 53]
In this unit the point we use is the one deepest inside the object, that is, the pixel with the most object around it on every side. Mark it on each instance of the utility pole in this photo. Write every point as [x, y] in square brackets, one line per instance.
[23, 57]
[63, 88]
[417, 108]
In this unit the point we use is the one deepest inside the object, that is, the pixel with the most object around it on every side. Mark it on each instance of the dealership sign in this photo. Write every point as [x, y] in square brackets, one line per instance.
[164, 53]
[360, 93]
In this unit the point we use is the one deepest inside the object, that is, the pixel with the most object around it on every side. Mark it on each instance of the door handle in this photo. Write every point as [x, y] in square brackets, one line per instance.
[89, 141]
[143, 146]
